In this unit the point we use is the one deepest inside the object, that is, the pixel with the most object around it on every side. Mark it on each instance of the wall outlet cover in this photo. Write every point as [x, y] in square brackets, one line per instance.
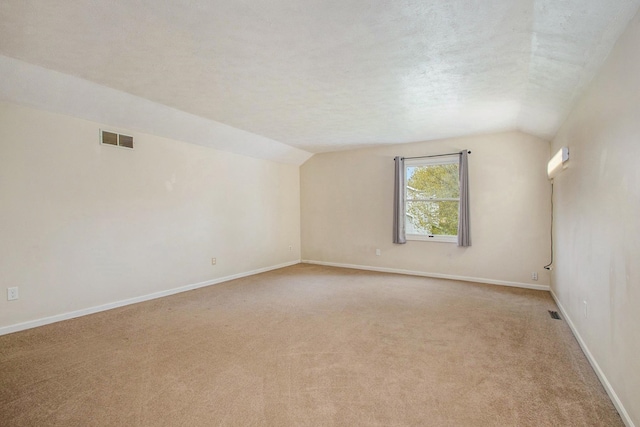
[12, 294]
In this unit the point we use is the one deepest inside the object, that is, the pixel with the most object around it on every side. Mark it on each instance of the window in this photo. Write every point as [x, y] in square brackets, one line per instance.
[432, 194]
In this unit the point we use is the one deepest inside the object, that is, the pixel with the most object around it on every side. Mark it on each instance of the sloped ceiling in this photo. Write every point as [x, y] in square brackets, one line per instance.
[324, 75]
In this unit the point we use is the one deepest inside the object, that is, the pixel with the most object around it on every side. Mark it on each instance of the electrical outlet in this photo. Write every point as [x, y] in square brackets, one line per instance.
[534, 275]
[378, 252]
[213, 261]
[12, 294]
[290, 247]
[586, 312]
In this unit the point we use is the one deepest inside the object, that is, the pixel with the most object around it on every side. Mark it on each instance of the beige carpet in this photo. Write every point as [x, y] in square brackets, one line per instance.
[308, 345]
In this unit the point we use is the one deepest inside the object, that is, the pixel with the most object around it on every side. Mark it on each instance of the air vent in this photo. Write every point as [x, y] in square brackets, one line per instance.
[115, 139]
[554, 315]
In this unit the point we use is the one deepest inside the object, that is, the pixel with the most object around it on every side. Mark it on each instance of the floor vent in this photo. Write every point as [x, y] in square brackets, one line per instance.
[112, 138]
[554, 315]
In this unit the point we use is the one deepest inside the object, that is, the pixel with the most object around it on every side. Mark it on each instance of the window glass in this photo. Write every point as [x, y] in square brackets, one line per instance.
[432, 198]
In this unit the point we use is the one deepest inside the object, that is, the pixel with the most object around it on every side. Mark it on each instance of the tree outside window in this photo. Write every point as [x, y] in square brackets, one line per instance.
[432, 198]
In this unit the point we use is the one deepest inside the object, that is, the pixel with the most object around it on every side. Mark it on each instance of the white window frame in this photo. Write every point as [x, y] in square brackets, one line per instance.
[443, 160]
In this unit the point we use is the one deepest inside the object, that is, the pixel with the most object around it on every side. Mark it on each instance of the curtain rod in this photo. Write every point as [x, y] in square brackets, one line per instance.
[435, 155]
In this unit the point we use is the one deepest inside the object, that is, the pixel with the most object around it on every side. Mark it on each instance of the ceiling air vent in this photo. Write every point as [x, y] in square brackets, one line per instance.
[115, 139]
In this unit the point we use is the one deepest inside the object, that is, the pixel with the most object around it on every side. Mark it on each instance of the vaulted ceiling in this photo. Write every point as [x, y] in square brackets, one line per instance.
[324, 75]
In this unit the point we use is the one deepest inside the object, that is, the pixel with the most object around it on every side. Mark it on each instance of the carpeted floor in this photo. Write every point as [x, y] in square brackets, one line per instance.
[308, 346]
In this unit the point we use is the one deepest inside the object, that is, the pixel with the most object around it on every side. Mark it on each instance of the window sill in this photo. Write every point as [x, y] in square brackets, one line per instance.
[440, 239]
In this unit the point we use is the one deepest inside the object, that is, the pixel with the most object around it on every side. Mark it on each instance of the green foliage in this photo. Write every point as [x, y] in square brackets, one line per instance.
[429, 216]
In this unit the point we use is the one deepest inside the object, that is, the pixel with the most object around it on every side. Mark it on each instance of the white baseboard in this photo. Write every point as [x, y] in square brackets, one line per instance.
[85, 311]
[434, 275]
[594, 364]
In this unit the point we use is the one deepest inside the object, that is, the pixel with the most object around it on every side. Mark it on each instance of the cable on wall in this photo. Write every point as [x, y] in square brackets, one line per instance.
[548, 266]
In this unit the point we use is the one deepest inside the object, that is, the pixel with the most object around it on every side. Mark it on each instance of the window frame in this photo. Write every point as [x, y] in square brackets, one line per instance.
[441, 160]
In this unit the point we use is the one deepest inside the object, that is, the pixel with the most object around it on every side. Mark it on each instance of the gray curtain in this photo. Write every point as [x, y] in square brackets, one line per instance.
[464, 229]
[398, 203]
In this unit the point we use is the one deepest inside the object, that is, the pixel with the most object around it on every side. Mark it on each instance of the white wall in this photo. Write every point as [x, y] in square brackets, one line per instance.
[83, 224]
[346, 208]
[597, 210]
[41, 88]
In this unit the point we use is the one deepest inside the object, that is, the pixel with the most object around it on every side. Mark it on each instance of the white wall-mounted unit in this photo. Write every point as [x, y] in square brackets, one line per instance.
[558, 162]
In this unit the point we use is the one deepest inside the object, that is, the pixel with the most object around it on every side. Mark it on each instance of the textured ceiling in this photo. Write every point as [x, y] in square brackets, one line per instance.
[324, 75]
